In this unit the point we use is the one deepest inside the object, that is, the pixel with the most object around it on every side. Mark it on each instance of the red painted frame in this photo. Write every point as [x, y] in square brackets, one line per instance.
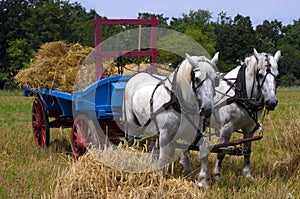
[153, 53]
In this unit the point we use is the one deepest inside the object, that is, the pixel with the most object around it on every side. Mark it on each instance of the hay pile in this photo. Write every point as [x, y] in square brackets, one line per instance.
[54, 66]
[68, 67]
[91, 178]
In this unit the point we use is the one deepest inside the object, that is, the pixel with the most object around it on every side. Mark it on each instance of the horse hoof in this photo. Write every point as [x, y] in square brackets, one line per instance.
[203, 184]
[217, 177]
[247, 174]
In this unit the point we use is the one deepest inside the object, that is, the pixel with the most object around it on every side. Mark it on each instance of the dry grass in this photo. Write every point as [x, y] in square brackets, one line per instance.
[289, 142]
[28, 172]
[91, 178]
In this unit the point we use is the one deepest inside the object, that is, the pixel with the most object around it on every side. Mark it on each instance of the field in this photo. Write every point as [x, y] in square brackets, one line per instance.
[29, 172]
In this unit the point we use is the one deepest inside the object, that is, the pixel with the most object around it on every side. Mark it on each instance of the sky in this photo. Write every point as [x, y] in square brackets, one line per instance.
[285, 11]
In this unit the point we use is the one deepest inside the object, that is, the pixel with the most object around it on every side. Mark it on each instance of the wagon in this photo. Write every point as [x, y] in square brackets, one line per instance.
[100, 102]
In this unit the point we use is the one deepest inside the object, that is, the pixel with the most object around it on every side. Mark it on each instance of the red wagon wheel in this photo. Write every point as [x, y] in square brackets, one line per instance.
[83, 135]
[40, 124]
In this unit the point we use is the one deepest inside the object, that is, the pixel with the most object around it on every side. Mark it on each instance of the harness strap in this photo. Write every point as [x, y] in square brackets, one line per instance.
[250, 105]
[172, 103]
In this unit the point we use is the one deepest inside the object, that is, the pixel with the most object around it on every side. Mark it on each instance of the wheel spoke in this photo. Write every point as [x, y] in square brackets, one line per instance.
[82, 135]
[40, 124]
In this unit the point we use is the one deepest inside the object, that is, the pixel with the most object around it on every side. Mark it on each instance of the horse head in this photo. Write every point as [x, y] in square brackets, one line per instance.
[203, 81]
[266, 76]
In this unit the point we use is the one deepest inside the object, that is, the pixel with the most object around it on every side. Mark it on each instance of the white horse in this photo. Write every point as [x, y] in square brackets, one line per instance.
[172, 107]
[239, 102]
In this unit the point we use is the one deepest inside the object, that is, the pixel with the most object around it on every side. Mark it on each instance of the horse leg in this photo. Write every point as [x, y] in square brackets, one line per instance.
[166, 150]
[203, 172]
[225, 134]
[247, 145]
[204, 151]
[185, 161]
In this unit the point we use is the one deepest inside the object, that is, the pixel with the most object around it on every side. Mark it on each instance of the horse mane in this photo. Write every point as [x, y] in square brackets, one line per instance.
[184, 71]
[184, 75]
[251, 61]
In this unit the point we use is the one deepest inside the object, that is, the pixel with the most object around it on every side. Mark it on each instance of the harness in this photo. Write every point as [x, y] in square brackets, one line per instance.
[252, 105]
[173, 103]
[268, 72]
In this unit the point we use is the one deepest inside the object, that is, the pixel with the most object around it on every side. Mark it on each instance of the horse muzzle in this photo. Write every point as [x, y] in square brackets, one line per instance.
[271, 104]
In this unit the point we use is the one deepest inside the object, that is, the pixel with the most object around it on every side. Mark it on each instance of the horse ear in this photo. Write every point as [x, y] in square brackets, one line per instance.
[215, 58]
[256, 54]
[191, 60]
[277, 55]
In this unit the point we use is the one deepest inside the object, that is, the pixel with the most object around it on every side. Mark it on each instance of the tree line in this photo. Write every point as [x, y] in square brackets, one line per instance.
[26, 24]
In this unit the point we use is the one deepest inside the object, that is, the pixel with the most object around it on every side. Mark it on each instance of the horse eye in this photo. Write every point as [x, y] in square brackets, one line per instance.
[260, 76]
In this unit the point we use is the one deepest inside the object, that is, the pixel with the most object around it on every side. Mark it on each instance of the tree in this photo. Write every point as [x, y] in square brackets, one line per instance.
[26, 24]
[267, 35]
[290, 47]
[234, 39]
[58, 20]
[197, 25]
[199, 19]
[78, 22]
[12, 13]
[19, 53]
[163, 21]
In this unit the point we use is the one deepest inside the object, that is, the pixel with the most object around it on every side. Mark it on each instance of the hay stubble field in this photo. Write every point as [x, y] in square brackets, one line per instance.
[28, 172]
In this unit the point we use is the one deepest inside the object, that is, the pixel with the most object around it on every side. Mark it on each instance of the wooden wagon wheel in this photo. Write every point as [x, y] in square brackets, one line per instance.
[40, 124]
[83, 135]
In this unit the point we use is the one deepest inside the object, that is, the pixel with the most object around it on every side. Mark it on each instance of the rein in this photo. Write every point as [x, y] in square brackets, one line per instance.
[252, 106]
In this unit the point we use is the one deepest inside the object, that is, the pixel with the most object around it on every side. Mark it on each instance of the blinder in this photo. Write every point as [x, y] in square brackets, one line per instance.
[194, 86]
[268, 71]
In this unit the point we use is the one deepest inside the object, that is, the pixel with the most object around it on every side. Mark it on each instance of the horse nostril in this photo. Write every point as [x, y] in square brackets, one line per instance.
[271, 104]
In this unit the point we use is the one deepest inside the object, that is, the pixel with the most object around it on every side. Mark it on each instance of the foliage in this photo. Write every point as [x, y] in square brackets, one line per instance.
[288, 80]
[290, 46]
[197, 25]
[19, 53]
[27, 24]
[268, 35]
[235, 38]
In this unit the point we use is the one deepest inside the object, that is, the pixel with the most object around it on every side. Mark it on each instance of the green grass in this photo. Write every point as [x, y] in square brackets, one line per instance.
[26, 170]
[29, 172]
